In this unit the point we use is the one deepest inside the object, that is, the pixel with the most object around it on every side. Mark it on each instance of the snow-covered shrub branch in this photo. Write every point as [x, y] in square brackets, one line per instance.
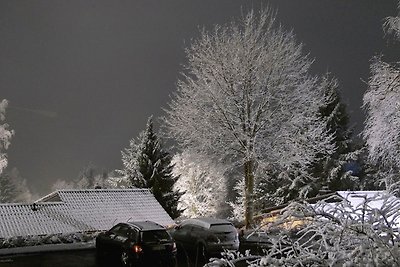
[392, 25]
[338, 234]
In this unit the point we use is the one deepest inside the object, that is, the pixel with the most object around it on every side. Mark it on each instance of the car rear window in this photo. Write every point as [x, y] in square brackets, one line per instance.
[224, 232]
[218, 228]
[155, 236]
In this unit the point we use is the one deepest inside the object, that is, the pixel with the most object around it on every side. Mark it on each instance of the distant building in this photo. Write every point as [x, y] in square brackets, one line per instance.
[82, 210]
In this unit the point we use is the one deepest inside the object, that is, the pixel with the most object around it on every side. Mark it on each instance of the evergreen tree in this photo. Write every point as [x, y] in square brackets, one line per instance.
[148, 165]
[333, 169]
[336, 171]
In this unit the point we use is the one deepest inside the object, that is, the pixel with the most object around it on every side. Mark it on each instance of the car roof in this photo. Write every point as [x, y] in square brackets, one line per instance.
[146, 225]
[205, 222]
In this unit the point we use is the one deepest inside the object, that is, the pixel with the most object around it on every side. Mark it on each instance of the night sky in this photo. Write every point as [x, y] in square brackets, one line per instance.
[82, 77]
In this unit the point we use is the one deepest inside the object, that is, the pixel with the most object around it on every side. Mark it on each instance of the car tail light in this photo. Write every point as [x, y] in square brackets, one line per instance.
[137, 249]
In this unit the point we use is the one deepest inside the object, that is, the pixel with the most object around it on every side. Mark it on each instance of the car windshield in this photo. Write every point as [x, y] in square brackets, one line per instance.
[155, 236]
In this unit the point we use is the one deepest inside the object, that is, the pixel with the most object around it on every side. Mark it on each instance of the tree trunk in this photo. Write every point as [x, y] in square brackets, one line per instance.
[249, 188]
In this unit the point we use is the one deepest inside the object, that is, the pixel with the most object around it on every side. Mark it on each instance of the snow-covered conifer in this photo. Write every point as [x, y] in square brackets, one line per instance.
[148, 165]
[333, 169]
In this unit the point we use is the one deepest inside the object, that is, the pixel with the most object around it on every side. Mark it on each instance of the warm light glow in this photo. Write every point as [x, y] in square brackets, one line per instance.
[137, 249]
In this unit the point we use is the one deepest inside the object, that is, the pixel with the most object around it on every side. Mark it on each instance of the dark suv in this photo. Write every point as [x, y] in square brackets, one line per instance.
[137, 243]
[206, 236]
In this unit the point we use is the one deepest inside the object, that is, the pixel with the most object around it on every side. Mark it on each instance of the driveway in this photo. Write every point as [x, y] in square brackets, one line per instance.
[68, 258]
[50, 259]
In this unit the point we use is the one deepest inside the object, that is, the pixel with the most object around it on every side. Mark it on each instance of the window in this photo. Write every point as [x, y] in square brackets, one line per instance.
[133, 234]
[222, 228]
[123, 231]
[115, 229]
[155, 236]
[186, 228]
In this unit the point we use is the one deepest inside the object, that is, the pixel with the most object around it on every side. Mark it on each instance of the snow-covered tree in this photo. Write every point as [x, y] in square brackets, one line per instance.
[201, 184]
[334, 169]
[237, 206]
[13, 188]
[8, 190]
[148, 165]
[62, 184]
[5, 135]
[115, 180]
[246, 98]
[90, 178]
[382, 103]
[392, 24]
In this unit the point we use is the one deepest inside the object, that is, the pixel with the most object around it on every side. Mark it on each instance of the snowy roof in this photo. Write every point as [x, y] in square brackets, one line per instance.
[365, 202]
[374, 199]
[68, 211]
[358, 197]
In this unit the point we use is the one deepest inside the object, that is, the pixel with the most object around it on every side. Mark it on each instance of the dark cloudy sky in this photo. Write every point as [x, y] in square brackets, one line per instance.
[82, 77]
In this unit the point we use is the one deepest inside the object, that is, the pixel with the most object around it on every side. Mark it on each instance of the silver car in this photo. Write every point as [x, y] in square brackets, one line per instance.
[206, 236]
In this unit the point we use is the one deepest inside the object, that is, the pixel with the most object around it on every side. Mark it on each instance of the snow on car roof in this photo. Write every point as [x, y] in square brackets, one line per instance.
[146, 225]
[205, 222]
[67, 211]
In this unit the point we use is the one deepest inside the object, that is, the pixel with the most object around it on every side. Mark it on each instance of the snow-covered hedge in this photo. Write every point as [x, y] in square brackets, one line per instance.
[23, 241]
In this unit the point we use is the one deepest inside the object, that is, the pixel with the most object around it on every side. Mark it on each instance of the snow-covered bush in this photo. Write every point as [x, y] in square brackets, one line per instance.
[237, 206]
[24, 241]
[202, 184]
[338, 234]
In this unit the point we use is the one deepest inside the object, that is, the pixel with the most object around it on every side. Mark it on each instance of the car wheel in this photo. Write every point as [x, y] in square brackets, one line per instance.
[125, 261]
